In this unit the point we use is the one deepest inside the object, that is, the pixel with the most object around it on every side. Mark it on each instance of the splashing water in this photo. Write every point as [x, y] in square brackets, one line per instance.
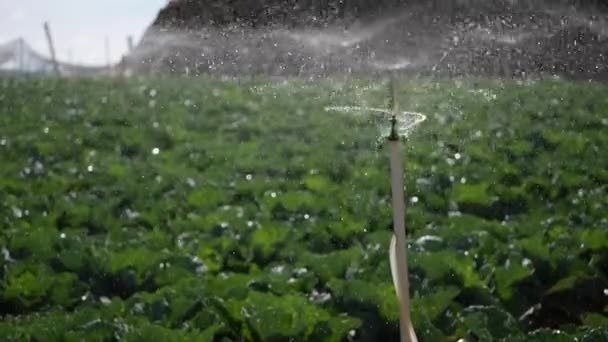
[406, 121]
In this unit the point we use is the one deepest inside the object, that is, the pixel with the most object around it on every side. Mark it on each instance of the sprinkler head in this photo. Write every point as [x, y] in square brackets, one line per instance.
[394, 136]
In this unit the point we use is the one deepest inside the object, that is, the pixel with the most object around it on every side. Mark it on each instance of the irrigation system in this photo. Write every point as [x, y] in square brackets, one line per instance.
[401, 123]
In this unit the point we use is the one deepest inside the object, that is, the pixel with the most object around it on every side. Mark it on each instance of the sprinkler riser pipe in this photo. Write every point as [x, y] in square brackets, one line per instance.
[398, 201]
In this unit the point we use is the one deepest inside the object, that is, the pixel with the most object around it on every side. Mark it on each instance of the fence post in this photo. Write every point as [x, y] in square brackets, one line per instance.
[49, 39]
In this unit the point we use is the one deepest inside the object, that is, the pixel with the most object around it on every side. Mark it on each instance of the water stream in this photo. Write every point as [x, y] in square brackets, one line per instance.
[406, 121]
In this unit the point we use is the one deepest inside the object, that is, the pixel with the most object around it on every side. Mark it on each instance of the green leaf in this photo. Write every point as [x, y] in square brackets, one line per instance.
[271, 317]
[317, 183]
[207, 198]
[472, 193]
[28, 286]
[490, 323]
[293, 201]
[64, 289]
[508, 276]
[547, 335]
[435, 303]
[567, 283]
[267, 240]
[444, 265]
[594, 239]
[595, 320]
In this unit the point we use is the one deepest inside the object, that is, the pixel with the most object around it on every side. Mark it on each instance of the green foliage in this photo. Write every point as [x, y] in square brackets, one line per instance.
[215, 211]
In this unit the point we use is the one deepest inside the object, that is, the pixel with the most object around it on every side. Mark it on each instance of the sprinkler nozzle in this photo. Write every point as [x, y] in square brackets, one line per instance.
[392, 97]
[394, 136]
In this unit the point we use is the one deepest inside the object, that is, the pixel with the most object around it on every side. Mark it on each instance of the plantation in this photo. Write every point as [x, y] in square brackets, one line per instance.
[207, 210]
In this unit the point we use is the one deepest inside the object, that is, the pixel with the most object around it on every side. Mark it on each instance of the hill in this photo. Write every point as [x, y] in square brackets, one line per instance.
[317, 38]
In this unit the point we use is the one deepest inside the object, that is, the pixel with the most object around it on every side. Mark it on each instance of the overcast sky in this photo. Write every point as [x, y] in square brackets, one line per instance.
[79, 27]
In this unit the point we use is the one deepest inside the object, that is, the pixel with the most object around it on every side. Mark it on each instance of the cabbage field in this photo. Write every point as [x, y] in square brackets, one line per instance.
[214, 210]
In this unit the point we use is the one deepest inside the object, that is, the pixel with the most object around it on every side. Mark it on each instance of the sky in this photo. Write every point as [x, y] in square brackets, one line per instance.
[79, 27]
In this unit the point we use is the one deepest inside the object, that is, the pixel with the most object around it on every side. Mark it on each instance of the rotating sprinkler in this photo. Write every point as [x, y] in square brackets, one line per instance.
[401, 123]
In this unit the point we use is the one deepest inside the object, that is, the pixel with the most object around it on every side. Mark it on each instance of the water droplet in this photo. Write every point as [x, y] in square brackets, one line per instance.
[138, 308]
[38, 167]
[17, 212]
[454, 213]
[301, 271]
[202, 269]
[319, 297]
[7, 255]
[131, 214]
[278, 269]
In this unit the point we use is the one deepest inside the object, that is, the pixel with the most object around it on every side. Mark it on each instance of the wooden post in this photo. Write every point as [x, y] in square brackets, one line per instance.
[49, 39]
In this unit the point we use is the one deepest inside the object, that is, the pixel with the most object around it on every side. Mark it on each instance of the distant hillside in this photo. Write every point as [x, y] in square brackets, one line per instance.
[190, 14]
[509, 38]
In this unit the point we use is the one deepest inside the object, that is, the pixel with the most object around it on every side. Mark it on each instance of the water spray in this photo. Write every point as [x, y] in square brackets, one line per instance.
[401, 123]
